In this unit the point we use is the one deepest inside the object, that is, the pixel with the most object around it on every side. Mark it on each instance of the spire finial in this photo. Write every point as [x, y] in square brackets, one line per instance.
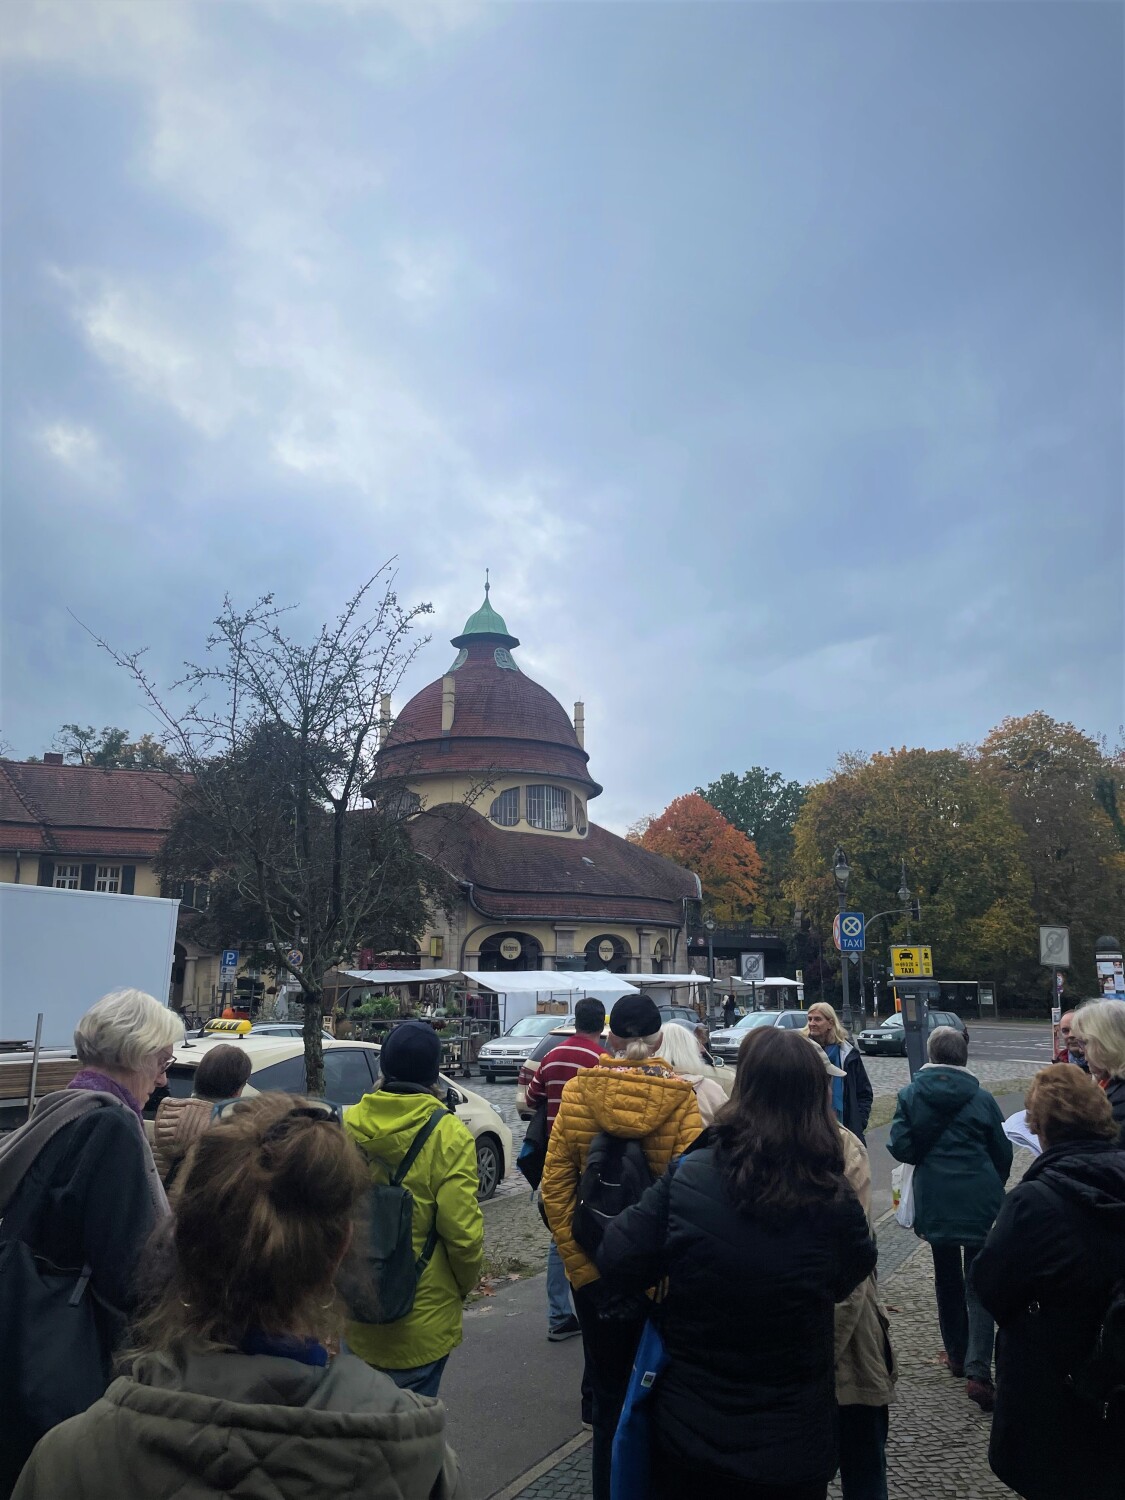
[486, 583]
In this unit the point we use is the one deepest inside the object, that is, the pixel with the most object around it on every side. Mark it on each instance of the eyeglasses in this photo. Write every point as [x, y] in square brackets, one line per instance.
[164, 1062]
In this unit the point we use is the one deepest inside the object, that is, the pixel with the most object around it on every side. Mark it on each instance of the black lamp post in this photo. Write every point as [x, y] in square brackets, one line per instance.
[842, 873]
[904, 898]
[709, 923]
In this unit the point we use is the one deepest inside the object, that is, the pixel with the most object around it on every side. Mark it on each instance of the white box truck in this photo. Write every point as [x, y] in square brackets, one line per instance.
[62, 950]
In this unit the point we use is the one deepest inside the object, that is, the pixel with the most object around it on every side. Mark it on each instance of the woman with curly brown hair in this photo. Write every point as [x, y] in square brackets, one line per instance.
[231, 1389]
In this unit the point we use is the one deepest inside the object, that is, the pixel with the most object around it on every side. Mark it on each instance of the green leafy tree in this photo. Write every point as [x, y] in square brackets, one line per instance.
[1064, 793]
[764, 806]
[966, 858]
[112, 749]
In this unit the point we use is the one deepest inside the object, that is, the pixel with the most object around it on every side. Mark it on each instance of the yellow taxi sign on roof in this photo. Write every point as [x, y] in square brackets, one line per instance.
[239, 1028]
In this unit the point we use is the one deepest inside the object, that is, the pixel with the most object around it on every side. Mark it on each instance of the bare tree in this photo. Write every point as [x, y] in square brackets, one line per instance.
[276, 741]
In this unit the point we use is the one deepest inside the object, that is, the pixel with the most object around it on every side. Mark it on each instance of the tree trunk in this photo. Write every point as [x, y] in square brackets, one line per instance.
[314, 1044]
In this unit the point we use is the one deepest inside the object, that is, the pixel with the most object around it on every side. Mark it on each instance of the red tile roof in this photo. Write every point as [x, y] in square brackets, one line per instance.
[84, 809]
[493, 705]
[601, 877]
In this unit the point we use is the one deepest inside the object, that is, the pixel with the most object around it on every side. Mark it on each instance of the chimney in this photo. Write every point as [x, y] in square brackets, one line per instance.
[580, 722]
[448, 689]
[52, 758]
[384, 717]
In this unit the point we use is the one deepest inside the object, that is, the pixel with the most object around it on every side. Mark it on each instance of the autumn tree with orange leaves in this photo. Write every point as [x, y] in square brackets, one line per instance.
[692, 833]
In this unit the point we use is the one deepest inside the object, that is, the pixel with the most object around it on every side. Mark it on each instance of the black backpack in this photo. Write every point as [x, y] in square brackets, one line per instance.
[383, 1291]
[616, 1176]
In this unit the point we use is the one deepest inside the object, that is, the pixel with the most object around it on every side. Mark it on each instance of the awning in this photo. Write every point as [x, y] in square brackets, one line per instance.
[768, 984]
[554, 982]
[402, 976]
[667, 981]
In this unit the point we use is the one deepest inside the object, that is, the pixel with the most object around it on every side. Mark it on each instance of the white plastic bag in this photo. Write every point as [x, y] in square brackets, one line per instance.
[902, 1194]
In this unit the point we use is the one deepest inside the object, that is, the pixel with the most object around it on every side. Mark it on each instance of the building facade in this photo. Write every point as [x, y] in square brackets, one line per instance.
[84, 828]
[494, 777]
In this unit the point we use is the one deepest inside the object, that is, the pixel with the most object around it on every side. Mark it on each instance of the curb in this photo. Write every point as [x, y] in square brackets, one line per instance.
[529, 1476]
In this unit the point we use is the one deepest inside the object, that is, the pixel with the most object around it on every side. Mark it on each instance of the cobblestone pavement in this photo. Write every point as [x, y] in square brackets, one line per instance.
[938, 1443]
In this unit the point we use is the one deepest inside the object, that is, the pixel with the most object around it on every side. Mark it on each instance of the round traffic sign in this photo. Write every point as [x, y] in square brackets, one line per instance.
[295, 957]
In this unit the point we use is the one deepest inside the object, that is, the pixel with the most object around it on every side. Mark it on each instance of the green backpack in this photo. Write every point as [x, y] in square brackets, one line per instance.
[386, 1292]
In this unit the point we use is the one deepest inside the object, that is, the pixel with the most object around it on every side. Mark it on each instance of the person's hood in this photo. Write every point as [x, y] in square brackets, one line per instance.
[1088, 1173]
[944, 1090]
[389, 1121]
[631, 1099]
[52, 1113]
[178, 1123]
[259, 1426]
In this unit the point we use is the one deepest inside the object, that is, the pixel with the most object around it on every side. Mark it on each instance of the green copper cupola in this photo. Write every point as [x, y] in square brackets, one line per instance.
[485, 628]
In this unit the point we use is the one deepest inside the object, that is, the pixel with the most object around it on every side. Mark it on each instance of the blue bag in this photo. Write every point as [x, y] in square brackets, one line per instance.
[632, 1442]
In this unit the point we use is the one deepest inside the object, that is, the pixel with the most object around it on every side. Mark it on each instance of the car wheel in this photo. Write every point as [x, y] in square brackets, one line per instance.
[490, 1078]
[490, 1165]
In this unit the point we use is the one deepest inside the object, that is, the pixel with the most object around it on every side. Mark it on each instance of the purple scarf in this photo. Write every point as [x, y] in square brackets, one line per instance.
[90, 1078]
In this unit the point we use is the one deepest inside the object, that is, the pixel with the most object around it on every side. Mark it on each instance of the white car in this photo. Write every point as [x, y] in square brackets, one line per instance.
[351, 1069]
[507, 1053]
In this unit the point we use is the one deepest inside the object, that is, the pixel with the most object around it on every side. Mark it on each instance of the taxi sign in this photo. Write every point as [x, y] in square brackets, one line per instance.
[240, 1028]
[912, 963]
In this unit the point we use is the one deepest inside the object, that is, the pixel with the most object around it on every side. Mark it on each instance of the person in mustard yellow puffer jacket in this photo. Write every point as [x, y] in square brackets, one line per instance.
[634, 1094]
[443, 1181]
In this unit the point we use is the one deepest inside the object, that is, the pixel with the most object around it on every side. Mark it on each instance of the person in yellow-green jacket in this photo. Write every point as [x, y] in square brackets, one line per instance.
[443, 1181]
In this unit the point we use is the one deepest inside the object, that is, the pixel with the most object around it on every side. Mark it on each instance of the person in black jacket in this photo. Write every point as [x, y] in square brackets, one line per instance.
[79, 1190]
[759, 1236]
[1045, 1274]
[1100, 1026]
[852, 1096]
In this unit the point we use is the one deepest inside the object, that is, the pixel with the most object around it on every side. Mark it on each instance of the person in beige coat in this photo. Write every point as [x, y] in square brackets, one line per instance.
[865, 1362]
[221, 1074]
[232, 1390]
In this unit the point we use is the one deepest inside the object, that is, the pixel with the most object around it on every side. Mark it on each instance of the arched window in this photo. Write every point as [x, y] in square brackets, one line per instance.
[505, 809]
[548, 807]
[580, 816]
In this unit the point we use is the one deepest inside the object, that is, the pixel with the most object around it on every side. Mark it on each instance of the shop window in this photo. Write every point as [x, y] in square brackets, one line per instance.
[108, 878]
[505, 809]
[548, 807]
[68, 877]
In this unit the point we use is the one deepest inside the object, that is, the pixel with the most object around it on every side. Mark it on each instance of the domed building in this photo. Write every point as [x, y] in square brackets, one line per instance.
[496, 779]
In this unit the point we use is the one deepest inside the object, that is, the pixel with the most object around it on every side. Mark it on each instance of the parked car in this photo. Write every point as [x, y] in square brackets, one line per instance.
[506, 1054]
[722, 1075]
[351, 1069]
[889, 1039]
[725, 1043]
[680, 1013]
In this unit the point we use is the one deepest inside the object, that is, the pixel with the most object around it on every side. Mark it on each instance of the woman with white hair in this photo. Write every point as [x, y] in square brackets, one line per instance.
[680, 1051]
[1100, 1026]
[79, 1196]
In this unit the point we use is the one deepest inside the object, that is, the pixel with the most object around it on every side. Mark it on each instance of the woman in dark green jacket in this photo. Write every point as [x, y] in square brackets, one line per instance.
[952, 1132]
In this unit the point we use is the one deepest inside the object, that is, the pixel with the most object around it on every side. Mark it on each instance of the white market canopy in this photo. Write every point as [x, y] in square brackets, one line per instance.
[668, 981]
[768, 984]
[402, 976]
[554, 982]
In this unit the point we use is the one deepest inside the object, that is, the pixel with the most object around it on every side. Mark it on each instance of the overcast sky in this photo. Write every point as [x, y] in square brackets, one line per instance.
[770, 355]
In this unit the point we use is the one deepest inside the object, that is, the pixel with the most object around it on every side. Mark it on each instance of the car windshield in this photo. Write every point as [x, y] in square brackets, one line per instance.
[534, 1026]
[895, 1020]
[759, 1018]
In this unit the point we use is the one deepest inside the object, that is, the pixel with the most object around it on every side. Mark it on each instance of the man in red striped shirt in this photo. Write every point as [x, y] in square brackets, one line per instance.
[582, 1050]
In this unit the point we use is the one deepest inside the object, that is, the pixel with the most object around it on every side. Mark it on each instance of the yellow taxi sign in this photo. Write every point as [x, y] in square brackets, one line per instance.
[912, 963]
[240, 1028]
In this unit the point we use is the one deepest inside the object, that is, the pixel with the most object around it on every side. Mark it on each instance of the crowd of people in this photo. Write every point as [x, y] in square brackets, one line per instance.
[261, 1300]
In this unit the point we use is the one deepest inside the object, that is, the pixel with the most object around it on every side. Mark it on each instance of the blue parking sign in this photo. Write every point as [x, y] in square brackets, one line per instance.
[230, 958]
[848, 932]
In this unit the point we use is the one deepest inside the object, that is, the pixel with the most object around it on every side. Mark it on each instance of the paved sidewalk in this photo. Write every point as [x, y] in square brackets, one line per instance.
[938, 1444]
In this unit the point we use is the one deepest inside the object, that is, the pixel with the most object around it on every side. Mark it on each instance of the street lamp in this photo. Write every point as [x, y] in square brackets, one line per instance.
[904, 898]
[842, 873]
[709, 923]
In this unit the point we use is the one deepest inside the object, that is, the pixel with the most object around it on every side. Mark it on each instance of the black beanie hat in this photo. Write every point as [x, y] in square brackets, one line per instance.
[634, 1016]
[411, 1054]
